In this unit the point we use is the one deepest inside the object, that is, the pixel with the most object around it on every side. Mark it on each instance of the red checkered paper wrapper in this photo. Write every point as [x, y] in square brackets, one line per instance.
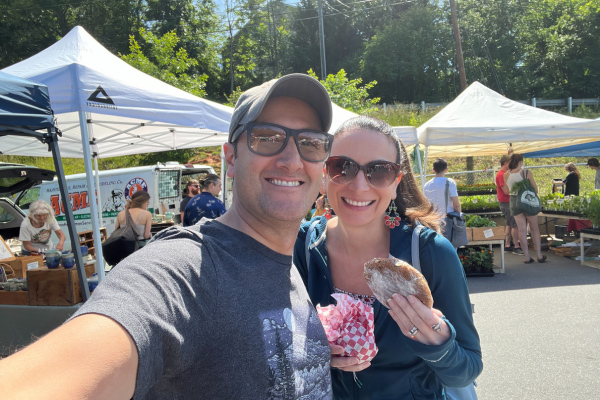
[350, 324]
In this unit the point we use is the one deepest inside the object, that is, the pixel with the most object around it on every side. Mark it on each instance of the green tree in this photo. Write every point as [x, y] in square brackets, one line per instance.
[29, 26]
[411, 57]
[165, 62]
[347, 93]
[197, 25]
[561, 47]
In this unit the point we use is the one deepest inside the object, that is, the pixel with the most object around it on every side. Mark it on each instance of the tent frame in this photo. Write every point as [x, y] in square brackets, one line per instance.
[50, 137]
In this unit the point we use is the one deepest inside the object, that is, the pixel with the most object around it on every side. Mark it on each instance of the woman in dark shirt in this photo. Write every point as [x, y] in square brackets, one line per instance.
[571, 182]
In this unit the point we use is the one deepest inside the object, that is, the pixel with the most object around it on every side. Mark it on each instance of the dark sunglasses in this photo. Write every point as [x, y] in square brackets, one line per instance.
[267, 139]
[379, 174]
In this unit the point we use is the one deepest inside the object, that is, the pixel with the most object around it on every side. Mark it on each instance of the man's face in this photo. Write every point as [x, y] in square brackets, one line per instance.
[282, 186]
[194, 189]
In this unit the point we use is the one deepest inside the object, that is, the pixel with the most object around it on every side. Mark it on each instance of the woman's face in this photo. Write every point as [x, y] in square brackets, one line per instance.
[40, 219]
[357, 202]
[215, 188]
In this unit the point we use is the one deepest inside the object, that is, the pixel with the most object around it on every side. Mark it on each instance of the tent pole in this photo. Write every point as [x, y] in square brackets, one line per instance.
[97, 175]
[88, 117]
[423, 175]
[89, 175]
[420, 164]
[68, 206]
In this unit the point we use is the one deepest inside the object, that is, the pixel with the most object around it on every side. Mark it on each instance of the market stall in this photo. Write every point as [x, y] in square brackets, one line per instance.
[25, 114]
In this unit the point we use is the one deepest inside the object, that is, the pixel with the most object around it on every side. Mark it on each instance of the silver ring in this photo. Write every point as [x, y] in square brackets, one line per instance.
[413, 331]
[438, 327]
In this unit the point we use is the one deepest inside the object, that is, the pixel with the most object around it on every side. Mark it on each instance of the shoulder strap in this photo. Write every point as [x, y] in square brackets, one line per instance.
[309, 232]
[447, 195]
[129, 222]
[414, 248]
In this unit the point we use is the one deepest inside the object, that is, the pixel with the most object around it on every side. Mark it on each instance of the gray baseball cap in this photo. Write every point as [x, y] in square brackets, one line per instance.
[301, 86]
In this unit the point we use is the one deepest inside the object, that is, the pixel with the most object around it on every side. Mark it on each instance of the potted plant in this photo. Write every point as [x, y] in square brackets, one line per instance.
[477, 261]
[592, 211]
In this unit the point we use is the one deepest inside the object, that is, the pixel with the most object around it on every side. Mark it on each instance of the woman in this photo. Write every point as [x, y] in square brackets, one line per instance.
[515, 174]
[406, 366]
[142, 218]
[206, 204]
[571, 182]
[37, 228]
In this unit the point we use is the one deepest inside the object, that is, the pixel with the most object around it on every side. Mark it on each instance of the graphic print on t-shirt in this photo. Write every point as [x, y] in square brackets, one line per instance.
[42, 236]
[298, 363]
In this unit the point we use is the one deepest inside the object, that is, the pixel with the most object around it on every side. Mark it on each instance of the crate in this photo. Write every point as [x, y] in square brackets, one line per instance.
[55, 287]
[86, 238]
[22, 264]
[491, 233]
[560, 231]
[18, 298]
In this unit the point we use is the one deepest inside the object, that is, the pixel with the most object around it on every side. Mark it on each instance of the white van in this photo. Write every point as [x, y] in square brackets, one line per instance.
[162, 181]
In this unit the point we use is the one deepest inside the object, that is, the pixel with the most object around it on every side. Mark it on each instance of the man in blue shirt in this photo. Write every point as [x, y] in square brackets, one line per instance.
[205, 204]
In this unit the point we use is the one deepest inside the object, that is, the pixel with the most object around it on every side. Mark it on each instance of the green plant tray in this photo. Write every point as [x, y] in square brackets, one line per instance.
[476, 192]
[567, 213]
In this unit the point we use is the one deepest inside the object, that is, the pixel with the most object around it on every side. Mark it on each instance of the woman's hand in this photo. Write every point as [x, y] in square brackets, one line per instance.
[348, 364]
[410, 313]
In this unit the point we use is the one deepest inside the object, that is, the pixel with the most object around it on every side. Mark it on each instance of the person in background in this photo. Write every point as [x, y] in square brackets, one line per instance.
[368, 176]
[142, 218]
[444, 201]
[503, 195]
[571, 185]
[515, 174]
[594, 164]
[37, 228]
[206, 204]
[216, 310]
[435, 189]
[192, 188]
[571, 181]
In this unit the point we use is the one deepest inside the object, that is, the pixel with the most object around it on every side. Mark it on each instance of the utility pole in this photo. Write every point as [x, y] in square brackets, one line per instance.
[459, 54]
[461, 74]
[322, 42]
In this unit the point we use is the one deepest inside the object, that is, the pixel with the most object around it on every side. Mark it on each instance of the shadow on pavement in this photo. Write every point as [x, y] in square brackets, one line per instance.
[556, 271]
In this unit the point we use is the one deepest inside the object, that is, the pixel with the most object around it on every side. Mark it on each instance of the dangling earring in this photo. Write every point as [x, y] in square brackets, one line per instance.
[392, 218]
[327, 209]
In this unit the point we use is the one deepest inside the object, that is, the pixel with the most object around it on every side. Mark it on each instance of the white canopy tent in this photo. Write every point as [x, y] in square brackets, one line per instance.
[99, 99]
[482, 122]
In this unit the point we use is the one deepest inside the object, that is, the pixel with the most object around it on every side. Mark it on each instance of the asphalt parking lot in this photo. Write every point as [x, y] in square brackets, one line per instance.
[540, 330]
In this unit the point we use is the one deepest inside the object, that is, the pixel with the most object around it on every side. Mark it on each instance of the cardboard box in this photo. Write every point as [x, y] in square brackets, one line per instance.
[55, 287]
[22, 264]
[18, 298]
[469, 234]
[492, 233]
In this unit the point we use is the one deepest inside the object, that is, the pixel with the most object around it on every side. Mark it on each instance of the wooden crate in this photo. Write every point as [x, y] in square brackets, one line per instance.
[55, 287]
[86, 238]
[22, 264]
[492, 233]
[18, 298]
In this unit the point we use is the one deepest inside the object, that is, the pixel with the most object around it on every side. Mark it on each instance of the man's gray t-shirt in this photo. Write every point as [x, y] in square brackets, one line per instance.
[216, 315]
[597, 180]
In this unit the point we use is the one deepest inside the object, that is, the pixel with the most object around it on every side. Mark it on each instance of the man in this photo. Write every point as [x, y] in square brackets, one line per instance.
[442, 193]
[504, 201]
[594, 164]
[206, 204]
[217, 310]
[435, 190]
[192, 188]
